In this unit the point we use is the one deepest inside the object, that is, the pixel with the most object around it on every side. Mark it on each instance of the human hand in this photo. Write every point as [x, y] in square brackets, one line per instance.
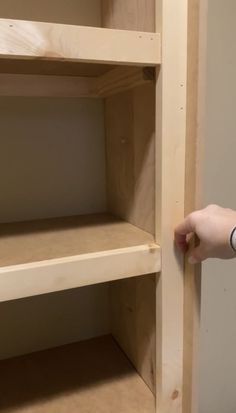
[213, 226]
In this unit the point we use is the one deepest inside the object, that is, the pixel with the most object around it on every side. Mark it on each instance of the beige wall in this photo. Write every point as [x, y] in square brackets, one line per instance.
[52, 158]
[51, 320]
[218, 334]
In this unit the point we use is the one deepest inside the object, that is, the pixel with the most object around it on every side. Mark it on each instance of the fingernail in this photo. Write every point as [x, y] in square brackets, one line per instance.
[192, 260]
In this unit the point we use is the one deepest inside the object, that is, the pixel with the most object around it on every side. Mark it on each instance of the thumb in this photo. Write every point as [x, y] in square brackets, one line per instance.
[197, 255]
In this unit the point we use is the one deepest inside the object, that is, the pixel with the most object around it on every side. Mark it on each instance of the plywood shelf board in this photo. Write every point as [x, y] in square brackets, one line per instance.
[41, 240]
[84, 377]
[64, 253]
[48, 41]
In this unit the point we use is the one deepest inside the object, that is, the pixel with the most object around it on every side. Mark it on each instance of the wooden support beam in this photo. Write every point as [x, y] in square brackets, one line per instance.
[171, 104]
[60, 274]
[49, 41]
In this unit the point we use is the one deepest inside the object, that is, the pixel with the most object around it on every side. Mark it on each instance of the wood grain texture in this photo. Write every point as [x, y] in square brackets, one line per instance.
[130, 183]
[170, 157]
[133, 323]
[129, 15]
[123, 78]
[33, 40]
[58, 254]
[78, 271]
[86, 377]
[130, 137]
[197, 29]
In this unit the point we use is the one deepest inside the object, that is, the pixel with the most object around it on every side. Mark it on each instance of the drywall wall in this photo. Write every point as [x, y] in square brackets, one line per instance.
[52, 158]
[218, 326]
[51, 320]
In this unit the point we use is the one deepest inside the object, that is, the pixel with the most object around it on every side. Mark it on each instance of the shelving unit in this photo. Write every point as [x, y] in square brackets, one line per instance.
[138, 63]
[37, 48]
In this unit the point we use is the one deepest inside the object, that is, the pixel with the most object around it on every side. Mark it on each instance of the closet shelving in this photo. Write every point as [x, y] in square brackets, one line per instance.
[137, 62]
[49, 59]
[89, 58]
[61, 253]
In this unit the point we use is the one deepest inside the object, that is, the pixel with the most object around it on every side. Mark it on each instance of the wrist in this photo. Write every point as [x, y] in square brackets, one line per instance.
[232, 239]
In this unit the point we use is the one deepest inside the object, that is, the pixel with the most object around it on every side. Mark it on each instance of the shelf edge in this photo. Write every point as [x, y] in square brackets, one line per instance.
[25, 280]
[51, 41]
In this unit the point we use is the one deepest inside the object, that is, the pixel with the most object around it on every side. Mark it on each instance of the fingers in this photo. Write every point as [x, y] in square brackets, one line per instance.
[182, 230]
[198, 255]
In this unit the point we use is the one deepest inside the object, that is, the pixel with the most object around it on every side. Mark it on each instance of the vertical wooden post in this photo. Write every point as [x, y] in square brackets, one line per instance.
[130, 136]
[170, 154]
[197, 15]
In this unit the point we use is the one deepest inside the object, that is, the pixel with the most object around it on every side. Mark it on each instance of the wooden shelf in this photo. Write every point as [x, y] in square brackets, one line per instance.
[48, 59]
[90, 376]
[26, 40]
[61, 253]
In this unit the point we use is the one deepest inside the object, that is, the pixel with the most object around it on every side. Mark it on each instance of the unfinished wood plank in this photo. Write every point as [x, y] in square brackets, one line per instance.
[91, 376]
[130, 131]
[129, 15]
[26, 280]
[47, 86]
[33, 40]
[170, 190]
[58, 254]
[123, 78]
[197, 29]
[133, 322]
[130, 136]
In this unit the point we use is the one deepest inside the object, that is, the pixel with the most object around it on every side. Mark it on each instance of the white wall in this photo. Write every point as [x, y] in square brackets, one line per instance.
[218, 335]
